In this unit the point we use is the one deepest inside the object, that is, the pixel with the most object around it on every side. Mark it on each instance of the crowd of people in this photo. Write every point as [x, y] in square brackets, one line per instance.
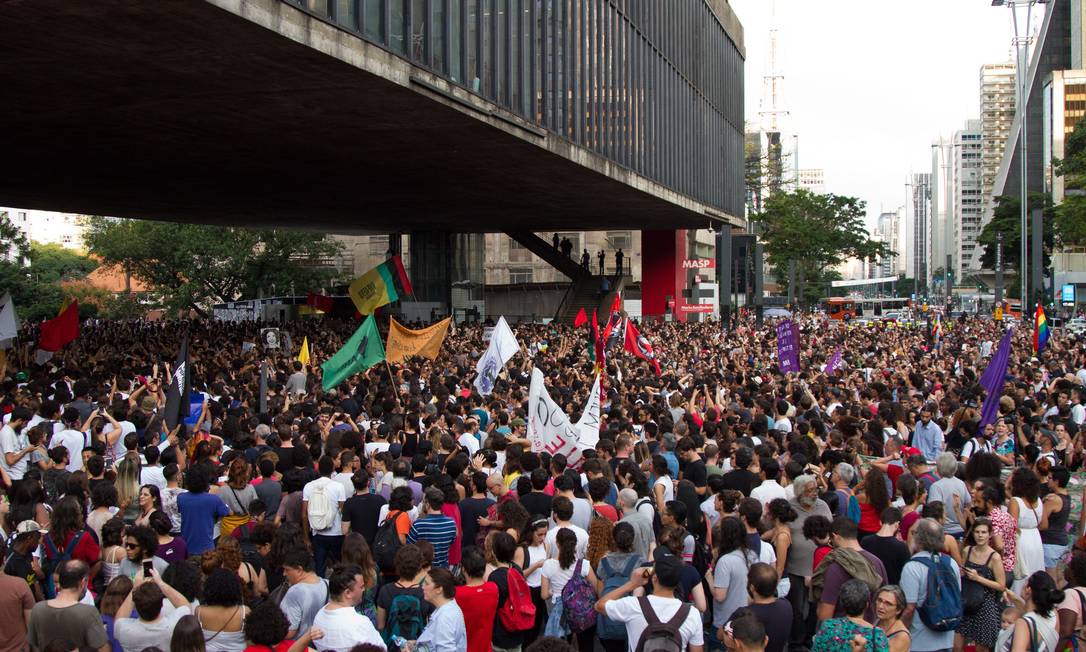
[726, 505]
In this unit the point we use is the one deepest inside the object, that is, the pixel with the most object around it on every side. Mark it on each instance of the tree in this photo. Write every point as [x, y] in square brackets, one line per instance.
[818, 232]
[52, 263]
[1007, 219]
[1069, 218]
[194, 266]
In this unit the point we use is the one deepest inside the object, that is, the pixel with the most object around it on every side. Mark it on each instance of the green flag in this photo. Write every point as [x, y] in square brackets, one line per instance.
[361, 352]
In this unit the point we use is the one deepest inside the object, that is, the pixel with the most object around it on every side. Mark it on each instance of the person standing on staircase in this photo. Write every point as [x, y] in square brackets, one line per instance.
[585, 260]
[618, 261]
[603, 258]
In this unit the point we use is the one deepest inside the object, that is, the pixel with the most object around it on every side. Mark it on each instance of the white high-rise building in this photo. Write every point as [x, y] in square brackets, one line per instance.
[812, 179]
[997, 104]
[887, 231]
[967, 192]
[48, 227]
[920, 205]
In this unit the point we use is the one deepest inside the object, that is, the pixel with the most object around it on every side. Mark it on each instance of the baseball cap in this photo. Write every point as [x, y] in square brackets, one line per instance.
[668, 568]
[29, 526]
[517, 422]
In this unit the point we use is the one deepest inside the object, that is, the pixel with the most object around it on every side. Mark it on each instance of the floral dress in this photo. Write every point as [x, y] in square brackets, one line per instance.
[835, 635]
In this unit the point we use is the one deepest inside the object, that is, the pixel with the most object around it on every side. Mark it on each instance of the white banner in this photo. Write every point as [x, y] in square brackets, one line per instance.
[549, 428]
[9, 322]
[503, 345]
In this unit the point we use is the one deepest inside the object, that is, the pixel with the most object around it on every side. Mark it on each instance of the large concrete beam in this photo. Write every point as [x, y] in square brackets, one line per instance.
[252, 112]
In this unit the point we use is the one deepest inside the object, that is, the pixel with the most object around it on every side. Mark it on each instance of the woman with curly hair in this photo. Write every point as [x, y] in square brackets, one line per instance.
[873, 496]
[254, 580]
[150, 501]
[1024, 487]
[222, 611]
[112, 549]
[599, 539]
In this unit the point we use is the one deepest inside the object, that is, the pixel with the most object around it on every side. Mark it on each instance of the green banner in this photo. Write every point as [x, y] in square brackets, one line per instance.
[361, 352]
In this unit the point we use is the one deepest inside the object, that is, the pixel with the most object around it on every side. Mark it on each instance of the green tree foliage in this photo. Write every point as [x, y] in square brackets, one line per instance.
[818, 232]
[1007, 219]
[32, 273]
[194, 266]
[1069, 217]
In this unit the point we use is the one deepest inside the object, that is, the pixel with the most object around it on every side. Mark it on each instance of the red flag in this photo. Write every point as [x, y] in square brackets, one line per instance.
[616, 305]
[597, 342]
[639, 345]
[580, 319]
[58, 331]
[319, 301]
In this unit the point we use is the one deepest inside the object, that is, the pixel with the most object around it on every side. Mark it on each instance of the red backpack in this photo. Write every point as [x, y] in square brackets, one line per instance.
[518, 612]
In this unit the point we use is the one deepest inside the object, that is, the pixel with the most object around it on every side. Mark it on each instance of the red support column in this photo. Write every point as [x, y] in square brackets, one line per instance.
[662, 275]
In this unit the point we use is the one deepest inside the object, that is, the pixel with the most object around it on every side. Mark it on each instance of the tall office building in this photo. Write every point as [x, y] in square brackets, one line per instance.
[997, 104]
[920, 232]
[967, 186]
[887, 231]
[812, 179]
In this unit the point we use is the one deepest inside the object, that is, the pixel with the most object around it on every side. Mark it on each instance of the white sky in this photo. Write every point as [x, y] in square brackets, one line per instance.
[870, 84]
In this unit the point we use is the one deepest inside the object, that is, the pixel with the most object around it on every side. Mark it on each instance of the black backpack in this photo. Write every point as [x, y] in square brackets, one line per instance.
[386, 543]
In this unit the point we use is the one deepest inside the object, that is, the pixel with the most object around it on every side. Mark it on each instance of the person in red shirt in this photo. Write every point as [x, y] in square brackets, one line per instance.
[598, 488]
[66, 525]
[478, 600]
[817, 529]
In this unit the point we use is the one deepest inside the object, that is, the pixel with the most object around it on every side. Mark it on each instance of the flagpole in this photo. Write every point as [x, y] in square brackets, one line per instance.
[392, 381]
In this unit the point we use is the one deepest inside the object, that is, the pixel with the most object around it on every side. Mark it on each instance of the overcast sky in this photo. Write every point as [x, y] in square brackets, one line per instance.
[870, 84]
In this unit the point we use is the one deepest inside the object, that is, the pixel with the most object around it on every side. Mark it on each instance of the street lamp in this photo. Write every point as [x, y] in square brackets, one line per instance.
[1021, 69]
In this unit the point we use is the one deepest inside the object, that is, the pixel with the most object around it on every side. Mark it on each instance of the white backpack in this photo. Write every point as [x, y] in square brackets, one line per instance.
[321, 509]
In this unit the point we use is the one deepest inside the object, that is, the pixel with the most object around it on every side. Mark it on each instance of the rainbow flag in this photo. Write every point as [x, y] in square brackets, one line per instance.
[1041, 330]
[937, 330]
[380, 286]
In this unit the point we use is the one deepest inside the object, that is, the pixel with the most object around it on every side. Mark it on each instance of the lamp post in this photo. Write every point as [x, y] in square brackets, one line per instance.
[1021, 68]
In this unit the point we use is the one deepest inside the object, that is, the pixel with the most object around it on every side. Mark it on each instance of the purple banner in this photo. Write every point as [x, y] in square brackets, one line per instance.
[834, 362]
[992, 381]
[788, 346]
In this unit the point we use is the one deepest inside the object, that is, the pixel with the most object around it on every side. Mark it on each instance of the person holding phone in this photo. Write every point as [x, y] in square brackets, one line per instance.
[140, 544]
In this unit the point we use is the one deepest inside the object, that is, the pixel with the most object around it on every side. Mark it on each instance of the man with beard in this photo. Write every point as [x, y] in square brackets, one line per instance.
[801, 557]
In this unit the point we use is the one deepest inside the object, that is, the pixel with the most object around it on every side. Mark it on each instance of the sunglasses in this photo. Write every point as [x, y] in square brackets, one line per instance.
[131, 546]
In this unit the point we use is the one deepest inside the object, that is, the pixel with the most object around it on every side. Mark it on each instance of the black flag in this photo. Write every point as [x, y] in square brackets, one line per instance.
[177, 396]
[263, 387]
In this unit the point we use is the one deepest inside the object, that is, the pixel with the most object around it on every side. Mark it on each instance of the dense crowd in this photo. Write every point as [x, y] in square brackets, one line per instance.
[725, 506]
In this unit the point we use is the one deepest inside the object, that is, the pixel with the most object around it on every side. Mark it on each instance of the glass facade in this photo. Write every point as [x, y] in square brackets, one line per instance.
[655, 86]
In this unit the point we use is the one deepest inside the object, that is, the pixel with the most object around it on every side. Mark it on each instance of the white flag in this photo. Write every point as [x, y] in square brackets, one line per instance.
[549, 428]
[9, 322]
[503, 345]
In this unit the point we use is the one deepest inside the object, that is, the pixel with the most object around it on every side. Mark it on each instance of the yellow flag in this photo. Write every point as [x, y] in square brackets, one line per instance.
[303, 355]
[404, 342]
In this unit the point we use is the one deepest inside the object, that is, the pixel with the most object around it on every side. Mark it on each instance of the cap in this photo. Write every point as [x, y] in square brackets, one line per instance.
[668, 568]
[382, 430]
[516, 423]
[29, 527]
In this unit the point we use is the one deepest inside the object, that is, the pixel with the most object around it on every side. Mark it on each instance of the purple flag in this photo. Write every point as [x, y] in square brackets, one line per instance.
[834, 362]
[989, 380]
[788, 346]
[992, 381]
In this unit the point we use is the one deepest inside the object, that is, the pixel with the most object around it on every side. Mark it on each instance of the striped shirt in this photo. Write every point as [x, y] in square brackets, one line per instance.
[440, 531]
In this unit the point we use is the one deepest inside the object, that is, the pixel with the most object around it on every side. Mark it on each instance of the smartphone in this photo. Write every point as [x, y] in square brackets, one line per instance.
[148, 566]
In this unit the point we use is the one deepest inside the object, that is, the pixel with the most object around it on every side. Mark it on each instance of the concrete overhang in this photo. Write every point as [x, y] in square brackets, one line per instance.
[254, 113]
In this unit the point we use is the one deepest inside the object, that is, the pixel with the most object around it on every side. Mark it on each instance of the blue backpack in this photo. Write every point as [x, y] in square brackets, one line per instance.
[851, 506]
[54, 558]
[607, 629]
[942, 608]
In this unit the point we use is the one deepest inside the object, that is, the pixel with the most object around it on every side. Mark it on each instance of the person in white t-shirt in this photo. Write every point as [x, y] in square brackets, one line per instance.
[770, 488]
[327, 542]
[71, 438]
[557, 571]
[14, 444]
[340, 625]
[562, 512]
[665, 575]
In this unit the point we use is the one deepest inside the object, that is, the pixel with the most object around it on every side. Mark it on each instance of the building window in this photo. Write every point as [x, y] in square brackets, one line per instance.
[22, 216]
[378, 245]
[620, 239]
[520, 275]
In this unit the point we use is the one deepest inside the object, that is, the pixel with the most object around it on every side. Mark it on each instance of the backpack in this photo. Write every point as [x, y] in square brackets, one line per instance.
[657, 524]
[703, 556]
[404, 618]
[942, 608]
[606, 628]
[850, 507]
[658, 636]
[386, 543]
[54, 559]
[321, 511]
[579, 602]
[518, 612]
